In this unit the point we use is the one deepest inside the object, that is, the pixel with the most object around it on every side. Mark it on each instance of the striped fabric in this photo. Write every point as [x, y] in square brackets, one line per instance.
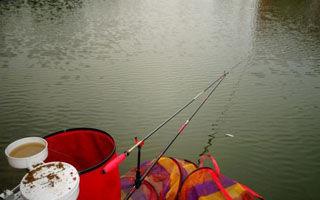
[199, 185]
[174, 179]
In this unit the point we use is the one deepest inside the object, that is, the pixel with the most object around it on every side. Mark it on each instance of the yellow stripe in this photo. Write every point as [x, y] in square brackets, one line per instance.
[174, 171]
[235, 191]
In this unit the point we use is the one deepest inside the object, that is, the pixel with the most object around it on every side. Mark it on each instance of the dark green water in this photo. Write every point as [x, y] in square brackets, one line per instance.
[124, 66]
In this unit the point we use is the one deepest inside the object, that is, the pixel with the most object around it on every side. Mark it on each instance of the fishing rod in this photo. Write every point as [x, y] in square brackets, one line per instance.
[181, 129]
[115, 162]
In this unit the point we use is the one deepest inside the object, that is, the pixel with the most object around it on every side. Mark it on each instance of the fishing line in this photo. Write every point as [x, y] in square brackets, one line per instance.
[120, 158]
[213, 136]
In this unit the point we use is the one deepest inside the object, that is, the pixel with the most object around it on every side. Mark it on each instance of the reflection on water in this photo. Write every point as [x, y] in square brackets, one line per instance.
[296, 15]
[124, 66]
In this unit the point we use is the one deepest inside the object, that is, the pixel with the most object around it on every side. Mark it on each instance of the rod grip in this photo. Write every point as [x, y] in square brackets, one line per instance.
[114, 163]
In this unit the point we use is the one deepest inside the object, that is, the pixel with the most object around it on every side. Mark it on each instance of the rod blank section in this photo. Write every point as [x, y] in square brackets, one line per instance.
[114, 163]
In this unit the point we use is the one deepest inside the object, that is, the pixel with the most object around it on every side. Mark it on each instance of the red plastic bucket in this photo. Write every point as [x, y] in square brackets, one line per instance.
[88, 150]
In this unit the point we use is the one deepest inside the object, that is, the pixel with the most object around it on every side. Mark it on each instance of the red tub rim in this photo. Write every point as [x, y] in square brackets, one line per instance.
[93, 129]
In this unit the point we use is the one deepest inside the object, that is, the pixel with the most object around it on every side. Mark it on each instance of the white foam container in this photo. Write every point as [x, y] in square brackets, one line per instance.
[64, 185]
[27, 162]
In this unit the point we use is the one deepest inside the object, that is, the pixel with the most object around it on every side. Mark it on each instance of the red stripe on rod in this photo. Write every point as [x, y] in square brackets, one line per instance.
[183, 126]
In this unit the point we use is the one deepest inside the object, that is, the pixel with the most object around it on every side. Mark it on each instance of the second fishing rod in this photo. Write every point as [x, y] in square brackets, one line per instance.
[181, 129]
[120, 158]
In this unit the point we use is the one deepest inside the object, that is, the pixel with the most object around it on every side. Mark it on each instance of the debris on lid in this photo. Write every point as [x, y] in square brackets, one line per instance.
[60, 165]
[50, 181]
[30, 178]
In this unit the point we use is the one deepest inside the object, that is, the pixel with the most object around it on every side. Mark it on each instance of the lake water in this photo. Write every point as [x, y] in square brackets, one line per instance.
[125, 66]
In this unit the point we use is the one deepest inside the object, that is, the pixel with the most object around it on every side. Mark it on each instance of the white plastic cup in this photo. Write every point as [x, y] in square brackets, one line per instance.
[27, 162]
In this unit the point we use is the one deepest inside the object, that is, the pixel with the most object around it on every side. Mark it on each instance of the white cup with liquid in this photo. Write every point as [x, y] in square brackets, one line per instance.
[27, 152]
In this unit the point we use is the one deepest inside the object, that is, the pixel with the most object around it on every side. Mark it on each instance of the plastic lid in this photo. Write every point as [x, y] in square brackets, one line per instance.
[53, 180]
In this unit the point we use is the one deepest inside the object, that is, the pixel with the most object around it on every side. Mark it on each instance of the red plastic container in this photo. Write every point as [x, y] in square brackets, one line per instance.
[88, 150]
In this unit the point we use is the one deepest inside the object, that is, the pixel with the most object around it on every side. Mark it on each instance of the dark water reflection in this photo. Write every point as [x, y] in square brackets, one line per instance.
[124, 66]
[296, 14]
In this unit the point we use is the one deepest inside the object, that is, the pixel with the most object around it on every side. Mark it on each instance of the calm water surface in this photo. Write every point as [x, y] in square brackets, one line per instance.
[124, 66]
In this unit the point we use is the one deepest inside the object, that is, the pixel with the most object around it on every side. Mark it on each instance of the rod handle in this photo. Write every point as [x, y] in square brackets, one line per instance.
[114, 163]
